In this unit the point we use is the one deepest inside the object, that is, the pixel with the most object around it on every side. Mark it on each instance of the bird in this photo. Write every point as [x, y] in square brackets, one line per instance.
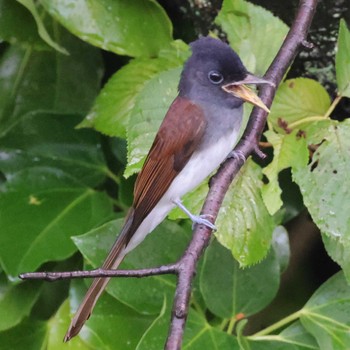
[198, 132]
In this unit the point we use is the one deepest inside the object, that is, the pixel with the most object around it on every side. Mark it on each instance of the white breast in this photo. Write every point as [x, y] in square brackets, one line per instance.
[201, 165]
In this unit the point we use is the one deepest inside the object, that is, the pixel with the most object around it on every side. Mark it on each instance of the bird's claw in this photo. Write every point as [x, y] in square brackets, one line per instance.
[237, 155]
[201, 220]
[196, 219]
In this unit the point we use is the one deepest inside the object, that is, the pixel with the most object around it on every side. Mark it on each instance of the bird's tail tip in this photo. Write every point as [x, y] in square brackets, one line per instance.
[71, 333]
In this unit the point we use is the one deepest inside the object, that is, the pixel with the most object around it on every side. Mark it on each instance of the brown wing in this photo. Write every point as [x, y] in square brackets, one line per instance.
[179, 135]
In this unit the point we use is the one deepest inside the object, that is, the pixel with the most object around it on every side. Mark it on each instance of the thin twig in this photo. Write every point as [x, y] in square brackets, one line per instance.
[56, 276]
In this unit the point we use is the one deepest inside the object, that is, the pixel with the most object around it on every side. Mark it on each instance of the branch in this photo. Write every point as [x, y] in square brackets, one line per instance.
[185, 268]
[221, 181]
[56, 276]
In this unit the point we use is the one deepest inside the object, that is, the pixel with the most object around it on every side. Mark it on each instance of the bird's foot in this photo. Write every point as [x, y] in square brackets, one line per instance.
[201, 220]
[238, 155]
[196, 219]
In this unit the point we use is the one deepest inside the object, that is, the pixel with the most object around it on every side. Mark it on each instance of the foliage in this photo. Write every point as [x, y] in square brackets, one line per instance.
[63, 190]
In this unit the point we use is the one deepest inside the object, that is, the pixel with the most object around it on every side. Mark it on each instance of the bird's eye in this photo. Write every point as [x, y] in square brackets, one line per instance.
[215, 77]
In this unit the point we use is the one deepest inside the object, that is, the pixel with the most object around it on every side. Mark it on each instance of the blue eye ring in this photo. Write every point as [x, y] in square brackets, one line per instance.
[215, 77]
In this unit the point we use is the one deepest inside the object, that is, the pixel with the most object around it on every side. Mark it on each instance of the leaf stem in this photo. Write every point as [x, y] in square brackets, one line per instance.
[21, 71]
[231, 325]
[333, 105]
[314, 118]
[112, 176]
[223, 324]
[197, 307]
[278, 324]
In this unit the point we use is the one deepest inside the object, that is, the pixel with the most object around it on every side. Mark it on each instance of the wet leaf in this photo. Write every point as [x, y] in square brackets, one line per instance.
[325, 187]
[288, 151]
[18, 27]
[244, 224]
[242, 21]
[114, 105]
[36, 82]
[298, 103]
[134, 28]
[327, 314]
[150, 108]
[16, 301]
[229, 290]
[342, 60]
[30, 5]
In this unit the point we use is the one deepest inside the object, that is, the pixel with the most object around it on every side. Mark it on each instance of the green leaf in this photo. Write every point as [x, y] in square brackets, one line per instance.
[239, 329]
[29, 4]
[16, 301]
[297, 102]
[199, 334]
[229, 290]
[50, 141]
[114, 105]
[52, 207]
[29, 335]
[48, 166]
[339, 251]
[244, 224]
[242, 21]
[50, 170]
[294, 337]
[280, 245]
[317, 131]
[112, 324]
[17, 26]
[293, 203]
[154, 337]
[325, 187]
[164, 245]
[150, 108]
[289, 151]
[133, 28]
[32, 82]
[342, 60]
[327, 314]
[297, 335]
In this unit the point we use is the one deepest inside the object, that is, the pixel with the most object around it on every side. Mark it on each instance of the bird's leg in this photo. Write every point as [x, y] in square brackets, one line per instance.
[196, 219]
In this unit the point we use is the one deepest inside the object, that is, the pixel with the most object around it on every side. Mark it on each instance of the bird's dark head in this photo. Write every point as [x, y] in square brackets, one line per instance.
[212, 67]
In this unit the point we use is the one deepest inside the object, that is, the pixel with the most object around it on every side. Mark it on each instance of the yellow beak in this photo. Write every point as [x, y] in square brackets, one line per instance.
[240, 90]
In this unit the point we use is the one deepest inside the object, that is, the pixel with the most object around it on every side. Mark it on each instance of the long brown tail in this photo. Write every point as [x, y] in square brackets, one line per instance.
[114, 258]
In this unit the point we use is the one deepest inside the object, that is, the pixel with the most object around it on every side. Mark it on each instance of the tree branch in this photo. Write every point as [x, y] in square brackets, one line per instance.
[221, 181]
[185, 268]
